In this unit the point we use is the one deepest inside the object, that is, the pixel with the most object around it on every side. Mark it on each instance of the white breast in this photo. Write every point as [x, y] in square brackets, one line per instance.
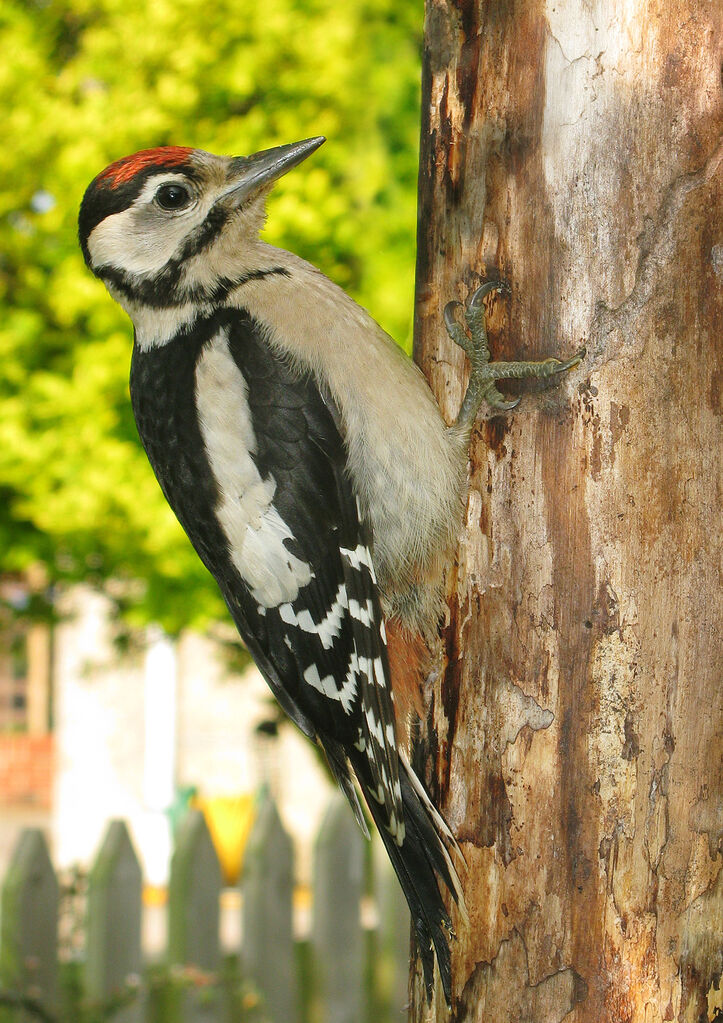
[253, 527]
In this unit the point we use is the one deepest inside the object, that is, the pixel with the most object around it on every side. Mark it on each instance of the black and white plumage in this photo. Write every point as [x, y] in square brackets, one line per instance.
[305, 458]
[250, 457]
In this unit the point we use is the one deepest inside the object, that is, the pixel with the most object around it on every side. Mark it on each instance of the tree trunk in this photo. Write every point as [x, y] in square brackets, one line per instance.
[574, 739]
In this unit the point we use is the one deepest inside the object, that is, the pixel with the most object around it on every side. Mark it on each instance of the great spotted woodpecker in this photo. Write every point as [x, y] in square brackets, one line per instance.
[305, 457]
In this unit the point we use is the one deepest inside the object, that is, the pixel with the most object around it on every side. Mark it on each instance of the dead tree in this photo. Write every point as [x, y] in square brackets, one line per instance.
[574, 738]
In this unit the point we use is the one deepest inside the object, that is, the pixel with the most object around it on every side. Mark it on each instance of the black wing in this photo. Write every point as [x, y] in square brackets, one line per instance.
[326, 647]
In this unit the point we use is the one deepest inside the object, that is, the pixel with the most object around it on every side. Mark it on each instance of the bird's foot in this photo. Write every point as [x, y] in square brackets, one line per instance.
[483, 373]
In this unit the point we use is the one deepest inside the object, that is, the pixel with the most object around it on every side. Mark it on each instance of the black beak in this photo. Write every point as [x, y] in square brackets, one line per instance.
[248, 174]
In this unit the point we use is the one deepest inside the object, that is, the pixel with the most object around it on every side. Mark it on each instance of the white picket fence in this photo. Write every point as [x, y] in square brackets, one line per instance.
[345, 971]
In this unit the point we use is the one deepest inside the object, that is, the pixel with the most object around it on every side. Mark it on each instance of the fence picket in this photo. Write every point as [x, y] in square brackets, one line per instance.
[113, 950]
[193, 911]
[267, 885]
[337, 933]
[29, 914]
[338, 974]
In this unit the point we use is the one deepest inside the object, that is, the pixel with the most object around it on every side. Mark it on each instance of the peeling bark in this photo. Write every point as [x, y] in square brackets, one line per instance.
[501, 990]
[574, 740]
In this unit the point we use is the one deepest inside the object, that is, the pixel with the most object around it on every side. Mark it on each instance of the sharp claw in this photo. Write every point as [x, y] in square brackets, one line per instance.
[449, 317]
[574, 361]
[496, 401]
[505, 406]
[476, 298]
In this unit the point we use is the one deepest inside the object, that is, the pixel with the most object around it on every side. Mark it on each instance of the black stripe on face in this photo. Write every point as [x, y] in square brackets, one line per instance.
[206, 233]
[165, 288]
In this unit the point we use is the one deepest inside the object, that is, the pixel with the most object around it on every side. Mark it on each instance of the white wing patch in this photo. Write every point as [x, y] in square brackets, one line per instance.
[346, 695]
[328, 686]
[359, 556]
[328, 628]
[253, 527]
[363, 613]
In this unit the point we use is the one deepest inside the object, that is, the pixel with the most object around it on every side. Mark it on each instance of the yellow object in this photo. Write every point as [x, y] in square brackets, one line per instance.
[155, 895]
[229, 819]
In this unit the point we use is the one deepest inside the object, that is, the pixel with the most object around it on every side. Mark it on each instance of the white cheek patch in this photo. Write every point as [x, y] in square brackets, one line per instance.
[142, 239]
[253, 527]
[116, 242]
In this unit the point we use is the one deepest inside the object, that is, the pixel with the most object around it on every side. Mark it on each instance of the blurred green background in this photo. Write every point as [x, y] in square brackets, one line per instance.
[83, 82]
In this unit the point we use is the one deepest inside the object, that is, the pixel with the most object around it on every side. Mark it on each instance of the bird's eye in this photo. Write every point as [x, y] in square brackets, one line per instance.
[173, 197]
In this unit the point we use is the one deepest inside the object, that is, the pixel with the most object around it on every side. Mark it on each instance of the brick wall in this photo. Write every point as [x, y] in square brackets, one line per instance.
[26, 770]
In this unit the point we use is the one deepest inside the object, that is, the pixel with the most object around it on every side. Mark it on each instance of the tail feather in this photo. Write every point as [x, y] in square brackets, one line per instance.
[445, 839]
[336, 759]
[419, 862]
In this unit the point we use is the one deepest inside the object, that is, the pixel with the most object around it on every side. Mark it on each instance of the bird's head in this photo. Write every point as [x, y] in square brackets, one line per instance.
[171, 225]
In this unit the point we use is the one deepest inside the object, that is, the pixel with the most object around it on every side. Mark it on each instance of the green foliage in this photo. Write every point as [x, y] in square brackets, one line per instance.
[83, 82]
[166, 993]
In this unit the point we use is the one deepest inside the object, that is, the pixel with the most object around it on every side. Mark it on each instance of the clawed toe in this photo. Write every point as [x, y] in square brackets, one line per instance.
[497, 401]
[472, 338]
[455, 329]
[477, 297]
[574, 361]
[450, 321]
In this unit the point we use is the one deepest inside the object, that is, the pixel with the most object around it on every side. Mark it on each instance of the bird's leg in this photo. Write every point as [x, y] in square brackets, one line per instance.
[483, 373]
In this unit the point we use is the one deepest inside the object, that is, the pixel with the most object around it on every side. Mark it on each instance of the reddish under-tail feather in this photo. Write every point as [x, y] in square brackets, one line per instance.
[408, 657]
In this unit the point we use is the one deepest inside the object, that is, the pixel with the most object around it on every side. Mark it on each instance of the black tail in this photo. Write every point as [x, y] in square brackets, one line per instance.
[419, 862]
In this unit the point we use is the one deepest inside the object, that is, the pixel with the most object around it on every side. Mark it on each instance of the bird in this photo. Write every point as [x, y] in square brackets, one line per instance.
[308, 462]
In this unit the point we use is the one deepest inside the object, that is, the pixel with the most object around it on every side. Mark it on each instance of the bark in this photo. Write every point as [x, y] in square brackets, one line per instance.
[574, 740]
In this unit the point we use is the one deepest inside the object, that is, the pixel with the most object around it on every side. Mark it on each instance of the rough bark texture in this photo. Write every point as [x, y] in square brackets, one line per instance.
[574, 740]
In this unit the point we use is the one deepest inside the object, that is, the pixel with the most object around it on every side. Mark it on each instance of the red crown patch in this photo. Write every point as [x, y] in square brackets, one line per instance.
[124, 170]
